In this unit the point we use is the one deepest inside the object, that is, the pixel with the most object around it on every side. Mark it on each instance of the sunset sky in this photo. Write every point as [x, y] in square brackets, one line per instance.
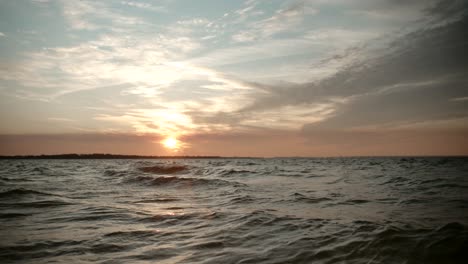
[234, 78]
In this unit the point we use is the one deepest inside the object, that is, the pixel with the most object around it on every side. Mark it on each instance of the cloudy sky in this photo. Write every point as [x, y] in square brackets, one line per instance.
[234, 78]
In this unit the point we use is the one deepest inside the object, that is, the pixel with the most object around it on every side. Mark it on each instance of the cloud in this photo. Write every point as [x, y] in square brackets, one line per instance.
[447, 9]
[394, 11]
[164, 121]
[284, 70]
[339, 36]
[146, 65]
[404, 104]
[176, 116]
[75, 12]
[282, 118]
[244, 36]
[411, 78]
[286, 19]
[2, 34]
[257, 51]
[145, 6]
[89, 15]
[60, 119]
[248, 10]
[139, 61]
[459, 99]
[194, 22]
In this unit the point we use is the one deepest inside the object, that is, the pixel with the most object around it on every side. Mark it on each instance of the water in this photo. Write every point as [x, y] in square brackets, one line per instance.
[329, 210]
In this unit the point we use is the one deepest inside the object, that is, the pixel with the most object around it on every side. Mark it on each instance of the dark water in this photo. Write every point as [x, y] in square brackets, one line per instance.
[338, 210]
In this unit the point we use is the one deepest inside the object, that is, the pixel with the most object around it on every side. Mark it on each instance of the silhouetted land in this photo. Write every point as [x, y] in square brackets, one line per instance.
[104, 156]
[116, 156]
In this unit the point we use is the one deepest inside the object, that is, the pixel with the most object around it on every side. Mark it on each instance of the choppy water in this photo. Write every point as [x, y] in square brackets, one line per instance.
[330, 210]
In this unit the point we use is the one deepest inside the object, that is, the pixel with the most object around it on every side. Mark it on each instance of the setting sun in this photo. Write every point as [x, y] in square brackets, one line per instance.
[171, 143]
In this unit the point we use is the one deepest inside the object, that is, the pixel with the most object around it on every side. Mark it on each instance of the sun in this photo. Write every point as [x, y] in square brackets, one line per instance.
[171, 143]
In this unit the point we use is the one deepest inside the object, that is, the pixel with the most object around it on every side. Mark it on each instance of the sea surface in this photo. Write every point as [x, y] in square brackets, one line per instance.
[291, 210]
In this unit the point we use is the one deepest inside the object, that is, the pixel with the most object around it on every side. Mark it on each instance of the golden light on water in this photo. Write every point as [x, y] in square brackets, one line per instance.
[171, 143]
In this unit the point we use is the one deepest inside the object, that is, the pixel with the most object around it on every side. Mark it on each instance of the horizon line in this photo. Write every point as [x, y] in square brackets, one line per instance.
[133, 156]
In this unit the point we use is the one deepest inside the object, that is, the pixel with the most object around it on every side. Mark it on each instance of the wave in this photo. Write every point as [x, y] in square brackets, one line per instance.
[173, 218]
[298, 197]
[391, 244]
[15, 179]
[242, 200]
[20, 192]
[114, 173]
[43, 245]
[133, 234]
[236, 172]
[234, 211]
[14, 215]
[356, 242]
[183, 181]
[93, 217]
[164, 169]
[41, 170]
[39, 204]
[170, 217]
[158, 200]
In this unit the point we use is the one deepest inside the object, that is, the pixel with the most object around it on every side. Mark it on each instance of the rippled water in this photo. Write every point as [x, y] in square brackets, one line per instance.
[329, 210]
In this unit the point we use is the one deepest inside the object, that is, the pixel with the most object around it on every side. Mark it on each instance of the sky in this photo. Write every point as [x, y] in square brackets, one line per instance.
[234, 78]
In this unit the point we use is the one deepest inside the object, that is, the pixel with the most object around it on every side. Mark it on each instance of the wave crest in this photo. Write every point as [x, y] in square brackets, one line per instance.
[164, 169]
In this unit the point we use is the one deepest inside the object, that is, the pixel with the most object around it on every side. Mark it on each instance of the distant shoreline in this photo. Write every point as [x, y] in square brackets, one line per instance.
[104, 156]
[120, 156]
